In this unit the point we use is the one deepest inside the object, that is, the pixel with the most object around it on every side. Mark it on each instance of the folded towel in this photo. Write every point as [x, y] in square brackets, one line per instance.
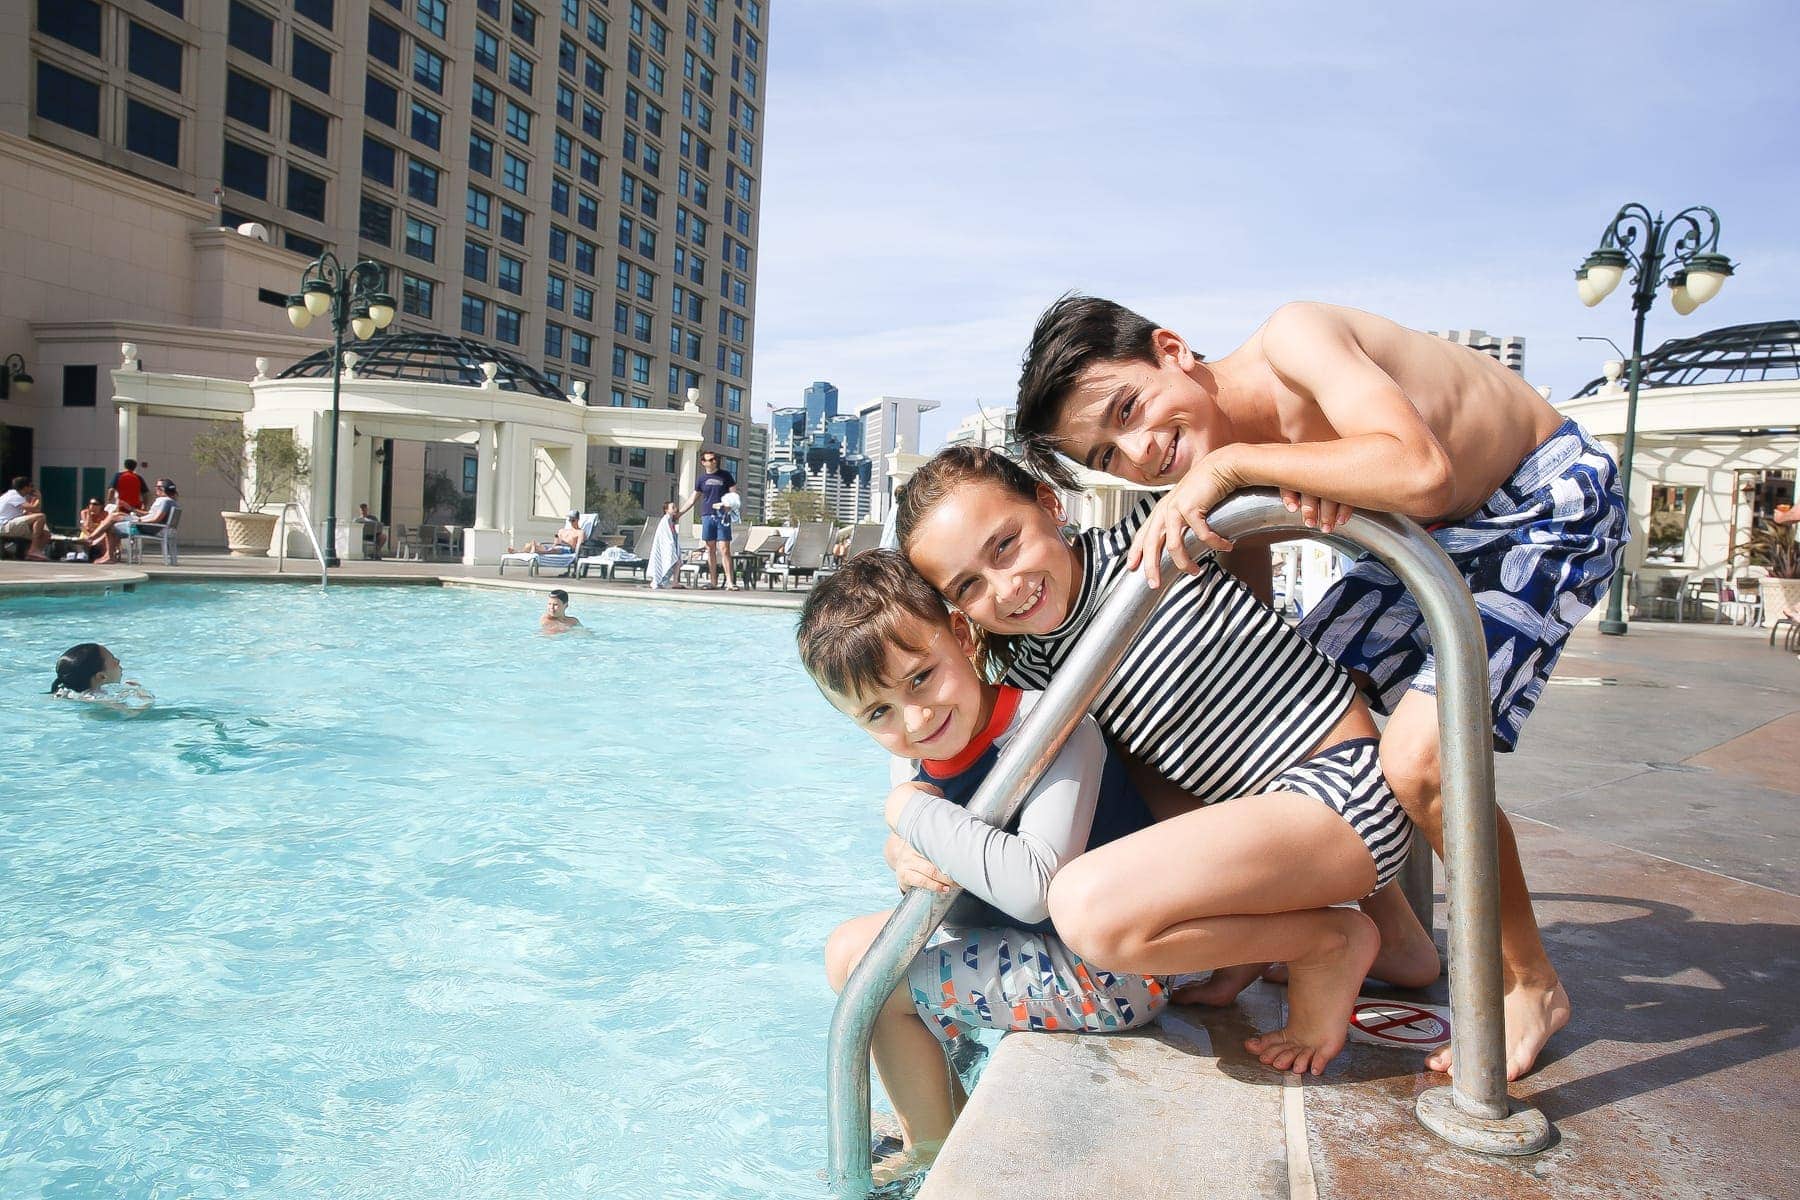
[665, 555]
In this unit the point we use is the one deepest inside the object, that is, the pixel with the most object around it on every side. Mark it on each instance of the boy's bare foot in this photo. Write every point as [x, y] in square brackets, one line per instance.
[1533, 1015]
[1220, 988]
[904, 1163]
[1322, 989]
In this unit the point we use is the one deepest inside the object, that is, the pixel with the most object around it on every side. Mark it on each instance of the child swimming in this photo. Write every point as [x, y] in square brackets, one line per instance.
[90, 672]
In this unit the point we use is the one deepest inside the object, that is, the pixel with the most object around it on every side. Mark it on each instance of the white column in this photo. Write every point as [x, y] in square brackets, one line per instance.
[128, 432]
[486, 449]
[688, 459]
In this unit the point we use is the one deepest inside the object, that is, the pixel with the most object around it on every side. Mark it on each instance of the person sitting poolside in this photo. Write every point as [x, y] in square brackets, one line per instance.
[162, 509]
[556, 618]
[365, 517]
[566, 540]
[100, 530]
[22, 516]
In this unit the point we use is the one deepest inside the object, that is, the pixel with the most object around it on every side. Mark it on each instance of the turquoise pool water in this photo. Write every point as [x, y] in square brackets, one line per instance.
[391, 896]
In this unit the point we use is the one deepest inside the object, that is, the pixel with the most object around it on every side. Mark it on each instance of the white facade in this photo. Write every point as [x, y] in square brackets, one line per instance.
[890, 423]
[993, 428]
[1506, 349]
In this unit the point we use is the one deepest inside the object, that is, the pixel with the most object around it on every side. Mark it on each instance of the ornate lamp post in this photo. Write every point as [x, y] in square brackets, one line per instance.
[354, 296]
[1681, 251]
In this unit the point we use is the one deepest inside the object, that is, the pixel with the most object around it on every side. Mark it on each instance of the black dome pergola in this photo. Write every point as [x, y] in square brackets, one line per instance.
[1730, 354]
[431, 358]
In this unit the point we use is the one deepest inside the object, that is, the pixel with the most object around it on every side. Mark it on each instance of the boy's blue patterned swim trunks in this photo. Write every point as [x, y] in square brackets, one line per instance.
[1536, 555]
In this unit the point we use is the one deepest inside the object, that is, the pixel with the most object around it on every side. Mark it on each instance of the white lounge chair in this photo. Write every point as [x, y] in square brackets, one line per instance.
[131, 545]
[811, 544]
[614, 559]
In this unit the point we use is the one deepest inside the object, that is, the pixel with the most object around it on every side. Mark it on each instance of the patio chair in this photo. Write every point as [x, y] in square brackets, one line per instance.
[807, 558]
[613, 559]
[131, 545]
[866, 536]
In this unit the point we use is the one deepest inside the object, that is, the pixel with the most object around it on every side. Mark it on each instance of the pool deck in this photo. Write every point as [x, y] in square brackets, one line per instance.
[1656, 795]
[24, 578]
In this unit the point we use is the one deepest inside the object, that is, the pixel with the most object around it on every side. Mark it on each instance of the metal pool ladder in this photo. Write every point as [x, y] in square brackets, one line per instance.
[281, 540]
[1474, 1111]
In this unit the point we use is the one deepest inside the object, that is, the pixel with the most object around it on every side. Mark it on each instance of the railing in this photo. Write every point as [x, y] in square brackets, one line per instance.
[1474, 1111]
[281, 540]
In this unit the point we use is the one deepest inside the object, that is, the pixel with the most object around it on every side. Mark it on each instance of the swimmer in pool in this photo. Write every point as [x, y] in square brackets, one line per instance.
[91, 672]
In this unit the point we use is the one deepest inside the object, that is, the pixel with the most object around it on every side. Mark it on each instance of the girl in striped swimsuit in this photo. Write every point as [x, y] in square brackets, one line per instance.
[1218, 697]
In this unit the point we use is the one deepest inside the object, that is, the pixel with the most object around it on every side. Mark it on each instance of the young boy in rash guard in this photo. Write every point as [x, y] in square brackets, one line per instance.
[1336, 408]
[888, 655]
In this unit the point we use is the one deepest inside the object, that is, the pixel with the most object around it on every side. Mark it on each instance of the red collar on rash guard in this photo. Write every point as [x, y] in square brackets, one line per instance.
[1005, 705]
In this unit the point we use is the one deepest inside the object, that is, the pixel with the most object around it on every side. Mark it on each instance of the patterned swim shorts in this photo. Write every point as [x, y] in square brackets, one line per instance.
[1536, 555]
[1023, 979]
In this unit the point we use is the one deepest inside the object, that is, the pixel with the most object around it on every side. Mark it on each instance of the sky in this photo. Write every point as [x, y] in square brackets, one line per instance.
[935, 174]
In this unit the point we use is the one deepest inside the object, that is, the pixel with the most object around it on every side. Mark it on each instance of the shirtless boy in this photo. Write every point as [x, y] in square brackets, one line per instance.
[1342, 409]
[556, 618]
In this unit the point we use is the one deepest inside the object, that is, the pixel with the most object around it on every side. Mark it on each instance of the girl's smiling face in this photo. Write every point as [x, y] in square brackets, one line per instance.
[999, 558]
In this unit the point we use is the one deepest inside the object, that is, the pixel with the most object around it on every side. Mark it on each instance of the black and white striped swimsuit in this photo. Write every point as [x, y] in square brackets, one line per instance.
[1217, 693]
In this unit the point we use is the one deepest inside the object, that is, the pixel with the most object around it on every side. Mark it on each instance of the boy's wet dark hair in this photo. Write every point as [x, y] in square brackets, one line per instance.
[855, 615]
[76, 669]
[1073, 334]
[559, 594]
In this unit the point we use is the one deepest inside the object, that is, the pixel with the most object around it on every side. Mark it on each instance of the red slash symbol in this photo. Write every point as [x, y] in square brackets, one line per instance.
[1403, 1024]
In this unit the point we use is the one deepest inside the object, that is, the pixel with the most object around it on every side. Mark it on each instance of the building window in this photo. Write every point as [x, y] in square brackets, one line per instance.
[152, 133]
[583, 304]
[427, 125]
[80, 386]
[377, 220]
[512, 223]
[593, 121]
[524, 23]
[417, 295]
[506, 324]
[640, 368]
[481, 101]
[515, 173]
[319, 12]
[312, 64]
[581, 349]
[246, 170]
[487, 49]
[481, 155]
[587, 211]
[378, 161]
[422, 181]
[381, 102]
[302, 245]
[474, 315]
[475, 260]
[511, 277]
[643, 326]
[428, 68]
[554, 291]
[479, 211]
[590, 166]
[384, 42]
[421, 239]
[519, 71]
[246, 100]
[518, 122]
[68, 100]
[432, 15]
[309, 129]
[559, 195]
[568, 55]
[596, 29]
[248, 30]
[553, 340]
[565, 101]
[154, 57]
[559, 244]
[305, 193]
[74, 22]
[639, 458]
[1670, 508]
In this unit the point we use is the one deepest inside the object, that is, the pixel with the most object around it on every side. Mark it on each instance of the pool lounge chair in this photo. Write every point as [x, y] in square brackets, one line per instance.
[561, 560]
[613, 559]
[866, 536]
[807, 557]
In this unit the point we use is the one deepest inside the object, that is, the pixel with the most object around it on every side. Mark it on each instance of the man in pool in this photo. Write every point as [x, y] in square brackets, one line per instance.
[556, 618]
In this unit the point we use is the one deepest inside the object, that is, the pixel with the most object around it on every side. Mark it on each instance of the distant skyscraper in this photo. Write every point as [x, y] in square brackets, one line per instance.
[821, 402]
[994, 428]
[1508, 350]
[888, 421]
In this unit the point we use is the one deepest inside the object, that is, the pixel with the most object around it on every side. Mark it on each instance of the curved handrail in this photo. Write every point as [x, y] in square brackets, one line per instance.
[1478, 1114]
[281, 540]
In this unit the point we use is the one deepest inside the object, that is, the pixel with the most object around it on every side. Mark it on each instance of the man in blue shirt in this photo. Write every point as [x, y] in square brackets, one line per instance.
[710, 490]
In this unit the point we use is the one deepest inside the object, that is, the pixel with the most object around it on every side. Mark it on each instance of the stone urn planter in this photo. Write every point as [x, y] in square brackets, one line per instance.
[249, 533]
[1778, 595]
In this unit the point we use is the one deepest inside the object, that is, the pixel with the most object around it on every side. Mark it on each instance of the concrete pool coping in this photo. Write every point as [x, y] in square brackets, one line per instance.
[30, 578]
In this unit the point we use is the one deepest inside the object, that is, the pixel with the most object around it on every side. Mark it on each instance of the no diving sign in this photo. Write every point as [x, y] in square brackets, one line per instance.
[1397, 1023]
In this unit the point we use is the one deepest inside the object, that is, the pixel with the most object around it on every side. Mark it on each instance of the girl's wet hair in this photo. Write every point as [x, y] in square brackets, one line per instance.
[950, 469]
[76, 669]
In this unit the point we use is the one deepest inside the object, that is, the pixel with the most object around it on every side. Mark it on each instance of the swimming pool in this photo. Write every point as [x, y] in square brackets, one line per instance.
[391, 896]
